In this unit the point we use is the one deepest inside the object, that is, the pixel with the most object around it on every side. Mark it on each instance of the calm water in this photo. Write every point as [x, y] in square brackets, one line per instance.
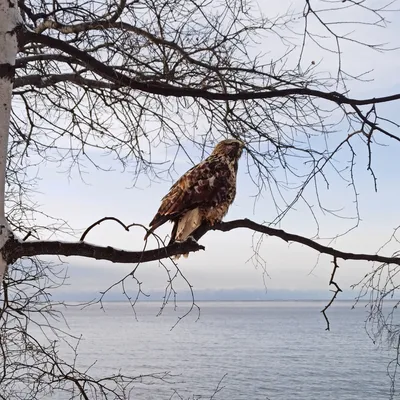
[265, 350]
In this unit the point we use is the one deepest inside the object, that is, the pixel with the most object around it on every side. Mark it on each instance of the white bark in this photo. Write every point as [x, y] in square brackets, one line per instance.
[9, 19]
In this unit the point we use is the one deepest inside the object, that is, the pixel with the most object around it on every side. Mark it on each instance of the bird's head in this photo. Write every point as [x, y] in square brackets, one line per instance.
[230, 147]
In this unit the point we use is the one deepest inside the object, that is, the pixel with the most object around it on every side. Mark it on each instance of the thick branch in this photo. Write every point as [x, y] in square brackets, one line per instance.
[42, 81]
[22, 62]
[15, 249]
[163, 89]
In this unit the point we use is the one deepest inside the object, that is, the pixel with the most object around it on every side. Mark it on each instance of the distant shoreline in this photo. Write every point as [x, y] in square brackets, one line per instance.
[82, 301]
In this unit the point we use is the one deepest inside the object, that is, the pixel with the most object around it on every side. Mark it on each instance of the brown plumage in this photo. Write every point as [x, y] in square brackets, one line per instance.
[203, 194]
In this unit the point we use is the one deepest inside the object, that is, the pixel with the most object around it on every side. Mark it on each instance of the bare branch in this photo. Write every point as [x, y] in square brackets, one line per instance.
[170, 90]
[335, 292]
[15, 249]
[290, 237]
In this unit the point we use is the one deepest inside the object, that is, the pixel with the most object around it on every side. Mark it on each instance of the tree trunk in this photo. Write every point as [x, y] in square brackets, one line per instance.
[10, 21]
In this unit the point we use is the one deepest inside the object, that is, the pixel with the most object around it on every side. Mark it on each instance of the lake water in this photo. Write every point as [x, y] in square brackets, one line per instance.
[262, 350]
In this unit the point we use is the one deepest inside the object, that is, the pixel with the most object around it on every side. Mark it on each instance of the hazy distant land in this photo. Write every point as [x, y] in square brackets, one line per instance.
[214, 295]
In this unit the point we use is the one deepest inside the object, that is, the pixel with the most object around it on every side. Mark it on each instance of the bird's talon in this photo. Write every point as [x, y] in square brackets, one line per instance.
[192, 239]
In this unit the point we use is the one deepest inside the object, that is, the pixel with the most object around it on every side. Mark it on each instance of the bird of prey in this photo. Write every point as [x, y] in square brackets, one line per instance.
[203, 194]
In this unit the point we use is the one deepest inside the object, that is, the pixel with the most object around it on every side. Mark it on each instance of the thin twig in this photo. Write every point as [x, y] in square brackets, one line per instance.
[335, 292]
[99, 222]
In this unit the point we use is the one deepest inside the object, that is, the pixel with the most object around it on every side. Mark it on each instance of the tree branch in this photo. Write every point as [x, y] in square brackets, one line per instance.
[22, 62]
[15, 249]
[290, 237]
[42, 81]
[335, 292]
[164, 89]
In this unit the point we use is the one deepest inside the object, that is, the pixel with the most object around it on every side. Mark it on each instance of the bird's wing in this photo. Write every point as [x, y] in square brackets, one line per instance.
[198, 186]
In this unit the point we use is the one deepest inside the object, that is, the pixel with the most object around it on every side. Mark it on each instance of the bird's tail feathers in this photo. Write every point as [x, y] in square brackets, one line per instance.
[184, 228]
[157, 222]
[188, 224]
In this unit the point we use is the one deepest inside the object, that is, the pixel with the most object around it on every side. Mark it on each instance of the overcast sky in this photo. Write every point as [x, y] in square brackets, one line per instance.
[225, 263]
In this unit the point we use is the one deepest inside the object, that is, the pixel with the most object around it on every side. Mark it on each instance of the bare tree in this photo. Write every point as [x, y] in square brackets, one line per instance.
[131, 76]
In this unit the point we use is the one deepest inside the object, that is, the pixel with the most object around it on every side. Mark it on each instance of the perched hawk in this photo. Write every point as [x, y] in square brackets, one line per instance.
[203, 194]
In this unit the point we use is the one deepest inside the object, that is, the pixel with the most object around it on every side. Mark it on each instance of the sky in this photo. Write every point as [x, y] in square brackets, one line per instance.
[226, 264]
